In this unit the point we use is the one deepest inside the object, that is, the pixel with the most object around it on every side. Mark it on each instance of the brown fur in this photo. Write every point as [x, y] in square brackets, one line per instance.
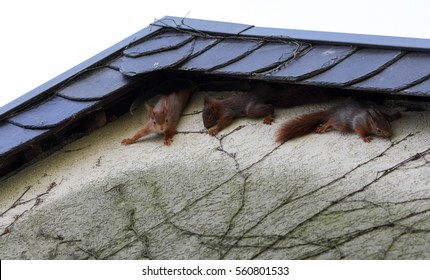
[350, 116]
[219, 113]
[164, 116]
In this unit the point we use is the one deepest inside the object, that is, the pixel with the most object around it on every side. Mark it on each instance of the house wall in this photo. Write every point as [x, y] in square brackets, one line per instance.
[239, 195]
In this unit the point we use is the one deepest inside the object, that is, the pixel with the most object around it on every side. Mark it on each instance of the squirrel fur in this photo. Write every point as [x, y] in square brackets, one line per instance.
[164, 116]
[260, 102]
[349, 116]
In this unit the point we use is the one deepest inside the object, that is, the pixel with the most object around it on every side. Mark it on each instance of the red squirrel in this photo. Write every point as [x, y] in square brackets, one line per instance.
[349, 116]
[260, 102]
[164, 116]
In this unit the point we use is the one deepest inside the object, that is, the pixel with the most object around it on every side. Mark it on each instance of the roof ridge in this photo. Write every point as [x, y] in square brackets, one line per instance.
[320, 37]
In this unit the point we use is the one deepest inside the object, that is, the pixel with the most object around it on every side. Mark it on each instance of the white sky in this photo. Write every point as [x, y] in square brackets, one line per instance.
[41, 39]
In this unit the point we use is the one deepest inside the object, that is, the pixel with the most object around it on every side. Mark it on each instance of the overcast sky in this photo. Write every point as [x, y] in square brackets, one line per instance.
[43, 38]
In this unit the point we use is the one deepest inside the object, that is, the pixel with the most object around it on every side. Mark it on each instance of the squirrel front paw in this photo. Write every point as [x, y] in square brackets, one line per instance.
[168, 141]
[268, 120]
[212, 131]
[321, 128]
[367, 139]
[127, 141]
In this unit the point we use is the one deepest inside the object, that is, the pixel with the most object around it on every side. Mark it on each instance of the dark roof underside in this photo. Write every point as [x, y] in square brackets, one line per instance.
[354, 62]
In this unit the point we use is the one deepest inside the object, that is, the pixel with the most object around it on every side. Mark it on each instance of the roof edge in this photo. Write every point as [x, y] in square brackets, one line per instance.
[38, 92]
[323, 37]
[362, 40]
[201, 25]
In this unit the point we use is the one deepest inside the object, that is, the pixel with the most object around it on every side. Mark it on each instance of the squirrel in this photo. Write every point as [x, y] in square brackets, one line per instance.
[164, 116]
[349, 116]
[259, 102]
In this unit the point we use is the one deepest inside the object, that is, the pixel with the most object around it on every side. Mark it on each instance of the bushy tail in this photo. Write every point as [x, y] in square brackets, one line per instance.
[301, 126]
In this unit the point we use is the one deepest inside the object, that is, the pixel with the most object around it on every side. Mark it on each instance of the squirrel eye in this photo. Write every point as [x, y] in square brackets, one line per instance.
[167, 120]
[210, 118]
[154, 122]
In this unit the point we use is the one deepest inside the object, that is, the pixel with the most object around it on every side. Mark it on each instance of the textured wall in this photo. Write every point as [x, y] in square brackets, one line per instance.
[235, 196]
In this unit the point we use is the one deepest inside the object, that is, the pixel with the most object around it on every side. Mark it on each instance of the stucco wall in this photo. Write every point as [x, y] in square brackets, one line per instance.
[235, 196]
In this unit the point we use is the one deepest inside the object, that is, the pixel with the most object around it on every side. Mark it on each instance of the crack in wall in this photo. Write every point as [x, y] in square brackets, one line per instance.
[335, 202]
[290, 199]
[239, 172]
[37, 200]
[243, 186]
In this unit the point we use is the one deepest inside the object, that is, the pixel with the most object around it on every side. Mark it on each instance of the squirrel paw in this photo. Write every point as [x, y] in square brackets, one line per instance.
[321, 128]
[367, 139]
[127, 141]
[212, 131]
[268, 120]
[168, 141]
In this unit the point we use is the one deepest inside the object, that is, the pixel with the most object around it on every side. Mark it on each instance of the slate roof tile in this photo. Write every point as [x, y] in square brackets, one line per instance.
[359, 65]
[318, 59]
[156, 61]
[412, 68]
[269, 56]
[421, 89]
[14, 136]
[200, 45]
[203, 44]
[94, 85]
[165, 41]
[225, 52]
[50, 113]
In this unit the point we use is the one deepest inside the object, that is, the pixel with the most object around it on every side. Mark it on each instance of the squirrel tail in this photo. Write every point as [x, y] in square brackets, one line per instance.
[301, 126]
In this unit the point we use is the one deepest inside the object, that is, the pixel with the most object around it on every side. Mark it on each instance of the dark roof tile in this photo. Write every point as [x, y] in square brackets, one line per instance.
[202, 45]
[316, 60]
[410, 69]
[156, 61]
[13, 136]
[421, 89]
[116, 63]
[164, 41]
[360, 65]
[94, 85]
[221, 54]
[51, 113]
[268, 56]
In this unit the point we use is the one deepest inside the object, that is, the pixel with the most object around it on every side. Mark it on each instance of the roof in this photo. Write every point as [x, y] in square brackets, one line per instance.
[44, 117]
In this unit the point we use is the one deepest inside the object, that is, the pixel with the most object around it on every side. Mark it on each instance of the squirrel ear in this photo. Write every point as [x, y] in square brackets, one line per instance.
[371, 120]
[210, 103]
[149, 109]
[166, 104]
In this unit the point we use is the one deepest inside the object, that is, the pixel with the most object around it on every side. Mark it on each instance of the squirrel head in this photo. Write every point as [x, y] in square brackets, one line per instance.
[159, 118]
[211, 112]
[379, 124]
